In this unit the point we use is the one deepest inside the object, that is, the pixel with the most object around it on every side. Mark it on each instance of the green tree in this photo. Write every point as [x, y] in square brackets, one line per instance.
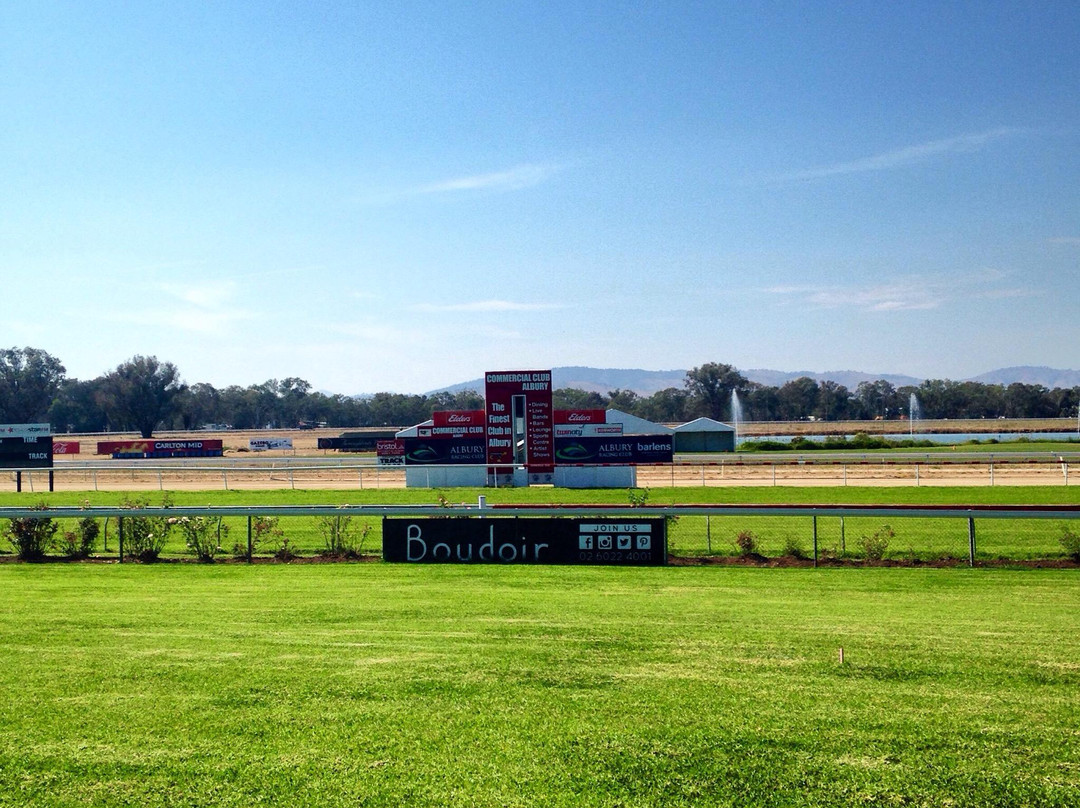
[665, 406]
[711, 386]
[29, 381]
[141, 393]
[77, 407]
[833, 401]
[572, 398]
[798, 398]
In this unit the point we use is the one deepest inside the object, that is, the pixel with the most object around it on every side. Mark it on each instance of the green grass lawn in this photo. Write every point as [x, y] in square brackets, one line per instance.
[371, 684]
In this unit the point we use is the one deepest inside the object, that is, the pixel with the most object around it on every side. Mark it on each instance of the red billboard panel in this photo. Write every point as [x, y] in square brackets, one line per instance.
[160, 448]
[65, 447]
[518, 419]
[458, 418]
[577, 417]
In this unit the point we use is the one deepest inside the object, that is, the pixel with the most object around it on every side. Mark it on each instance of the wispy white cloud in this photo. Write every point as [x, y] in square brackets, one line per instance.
[481, 306]
[913, 293]
[513, 179]
[204, 295]
[204, 308]
[517, 178]
[908, 155]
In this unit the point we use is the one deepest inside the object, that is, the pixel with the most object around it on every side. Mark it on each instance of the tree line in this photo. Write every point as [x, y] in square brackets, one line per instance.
[145, 394]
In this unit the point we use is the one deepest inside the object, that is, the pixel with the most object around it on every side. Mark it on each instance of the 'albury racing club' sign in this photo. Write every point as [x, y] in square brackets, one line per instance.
[615, 542]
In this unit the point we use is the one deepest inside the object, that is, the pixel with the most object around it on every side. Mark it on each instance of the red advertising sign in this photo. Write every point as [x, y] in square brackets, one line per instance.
[458, 418]
[65, 447]
[581, 416]
[390, 448]
[519, 413]
[160, 448]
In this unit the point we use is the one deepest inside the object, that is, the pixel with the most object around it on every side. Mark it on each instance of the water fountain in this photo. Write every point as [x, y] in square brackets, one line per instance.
[736, 413]
[914, 413]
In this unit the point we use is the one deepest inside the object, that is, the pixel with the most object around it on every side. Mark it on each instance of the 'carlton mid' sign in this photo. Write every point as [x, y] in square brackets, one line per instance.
[621, 542]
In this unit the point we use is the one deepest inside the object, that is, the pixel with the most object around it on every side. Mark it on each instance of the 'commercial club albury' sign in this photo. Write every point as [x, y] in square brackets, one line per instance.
[468, 540]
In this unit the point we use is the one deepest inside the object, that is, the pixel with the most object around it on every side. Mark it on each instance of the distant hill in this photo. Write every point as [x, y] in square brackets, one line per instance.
[647, 382]
[1026, 374]
[849, 378]
[599, 380]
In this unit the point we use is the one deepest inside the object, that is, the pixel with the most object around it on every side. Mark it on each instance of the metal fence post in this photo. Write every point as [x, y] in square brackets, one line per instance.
[249, 539]
[971, 541]
[120, 536]
[814, 517]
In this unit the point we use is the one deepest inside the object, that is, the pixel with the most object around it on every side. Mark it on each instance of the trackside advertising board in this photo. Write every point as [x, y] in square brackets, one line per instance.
[26, 446]
[148, 449]
[439, 452]
[606, 542]
[519, 397]
[621, 449]
[267, 444]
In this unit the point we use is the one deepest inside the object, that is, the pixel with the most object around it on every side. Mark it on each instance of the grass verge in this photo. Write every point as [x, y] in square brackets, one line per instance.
[381, 685]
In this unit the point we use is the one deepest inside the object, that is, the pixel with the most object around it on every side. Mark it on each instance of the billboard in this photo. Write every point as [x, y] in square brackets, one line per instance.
[586, 430]
[66, 447]
[365, 441]
[519, 419]
[631, 450]
[580, 416]
[458, 418]
[390, 452]
[26, 446]
[266, 444]
[437, 452]
[609, 542]
[153, 449]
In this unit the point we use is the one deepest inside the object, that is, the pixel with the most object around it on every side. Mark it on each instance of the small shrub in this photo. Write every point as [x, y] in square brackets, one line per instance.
[284, 551]
[746, 541]
[1070, 540]
[341, 538]
[79, 543]
[874, 546]
[202, 535]
[792, 548]
[639, 497]
[262, 528]
[31, 536]
[145, 536]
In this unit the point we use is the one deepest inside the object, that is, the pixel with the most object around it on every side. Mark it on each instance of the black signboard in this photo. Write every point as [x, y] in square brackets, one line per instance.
[26, 452]
[445, 451]
[357, 441]
[467, 540]
[620, 449]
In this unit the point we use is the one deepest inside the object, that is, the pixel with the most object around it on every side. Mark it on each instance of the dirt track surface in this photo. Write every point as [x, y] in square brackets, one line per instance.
[305, 466]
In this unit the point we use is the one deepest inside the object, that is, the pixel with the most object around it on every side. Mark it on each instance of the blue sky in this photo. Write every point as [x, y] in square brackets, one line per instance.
[400, 196]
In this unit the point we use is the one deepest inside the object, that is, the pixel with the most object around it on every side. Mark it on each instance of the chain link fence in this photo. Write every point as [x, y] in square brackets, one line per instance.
[756, 534]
